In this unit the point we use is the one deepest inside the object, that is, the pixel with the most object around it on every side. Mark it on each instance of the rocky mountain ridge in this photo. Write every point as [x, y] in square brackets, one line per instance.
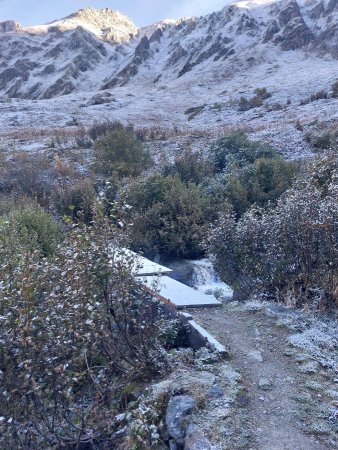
[92, 50]
[265, 66]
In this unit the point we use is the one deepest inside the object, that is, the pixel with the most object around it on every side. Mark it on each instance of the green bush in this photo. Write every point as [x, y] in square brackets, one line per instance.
[262, 183]
[237, 150]
[245, 104]
[75, 200]
[168, 216]
[32, 227]
[289, 252]
[257, 100]
[120, 154]
[262, 93]
[100, 129]
[191, 166]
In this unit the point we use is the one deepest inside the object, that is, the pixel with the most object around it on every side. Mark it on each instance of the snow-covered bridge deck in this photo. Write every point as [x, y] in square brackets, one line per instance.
[171, 291]
[139, 265]
[166, 289]
[143, 267]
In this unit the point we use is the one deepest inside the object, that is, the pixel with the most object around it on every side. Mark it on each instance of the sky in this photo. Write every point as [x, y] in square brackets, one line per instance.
[142, 12]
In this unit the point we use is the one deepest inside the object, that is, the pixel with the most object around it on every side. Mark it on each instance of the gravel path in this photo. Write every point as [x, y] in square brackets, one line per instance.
[274, 408]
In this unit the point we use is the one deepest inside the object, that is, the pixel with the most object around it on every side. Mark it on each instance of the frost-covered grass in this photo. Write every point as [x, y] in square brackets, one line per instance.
[320, 341]
[315, 335]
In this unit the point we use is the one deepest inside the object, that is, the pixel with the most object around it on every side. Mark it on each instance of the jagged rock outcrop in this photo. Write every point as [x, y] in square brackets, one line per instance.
[8, 25]
[142, 51]
[294, 32]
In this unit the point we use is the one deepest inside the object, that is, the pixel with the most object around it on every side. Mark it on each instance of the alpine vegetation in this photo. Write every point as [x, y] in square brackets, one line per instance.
[169, 230]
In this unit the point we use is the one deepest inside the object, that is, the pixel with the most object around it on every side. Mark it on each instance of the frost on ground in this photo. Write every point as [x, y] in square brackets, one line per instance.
[314, 334]
[288, 396]
[320, 341]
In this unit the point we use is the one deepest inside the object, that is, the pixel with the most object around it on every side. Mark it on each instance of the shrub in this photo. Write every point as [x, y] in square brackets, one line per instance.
[320, 95]
[324, 140]
[119, 153]
[323, 173]
[24, 174]
[275, 107]
[100, 129]
[257, 100]
[168, 216]
[75, 200]
[191, 166]
[237, 150]
[260, 183]
[262, 93]
[289, 252]
[33, 227]
[245, 104]
[74, 330]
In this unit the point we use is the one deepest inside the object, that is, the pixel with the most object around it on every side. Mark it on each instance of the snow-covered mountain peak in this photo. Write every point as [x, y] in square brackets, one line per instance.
[104, 23]
[253, 3]
[148, 30]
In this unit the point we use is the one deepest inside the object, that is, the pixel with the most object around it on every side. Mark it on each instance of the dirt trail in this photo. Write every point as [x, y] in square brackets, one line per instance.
[272, 416]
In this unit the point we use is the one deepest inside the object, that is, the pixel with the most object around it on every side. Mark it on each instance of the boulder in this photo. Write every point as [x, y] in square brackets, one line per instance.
[178, 408]
[264, 384]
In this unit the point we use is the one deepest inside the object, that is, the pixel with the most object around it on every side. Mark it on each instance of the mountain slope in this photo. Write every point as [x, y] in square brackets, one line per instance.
[81, 52]
[261, 65]
[63, 56]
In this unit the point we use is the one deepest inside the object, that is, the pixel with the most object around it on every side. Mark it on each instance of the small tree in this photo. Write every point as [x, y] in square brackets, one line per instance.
[120, 154]
[168, 216]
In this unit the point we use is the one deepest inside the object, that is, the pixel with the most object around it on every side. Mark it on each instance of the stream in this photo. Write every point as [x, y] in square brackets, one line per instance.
[201, 275]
